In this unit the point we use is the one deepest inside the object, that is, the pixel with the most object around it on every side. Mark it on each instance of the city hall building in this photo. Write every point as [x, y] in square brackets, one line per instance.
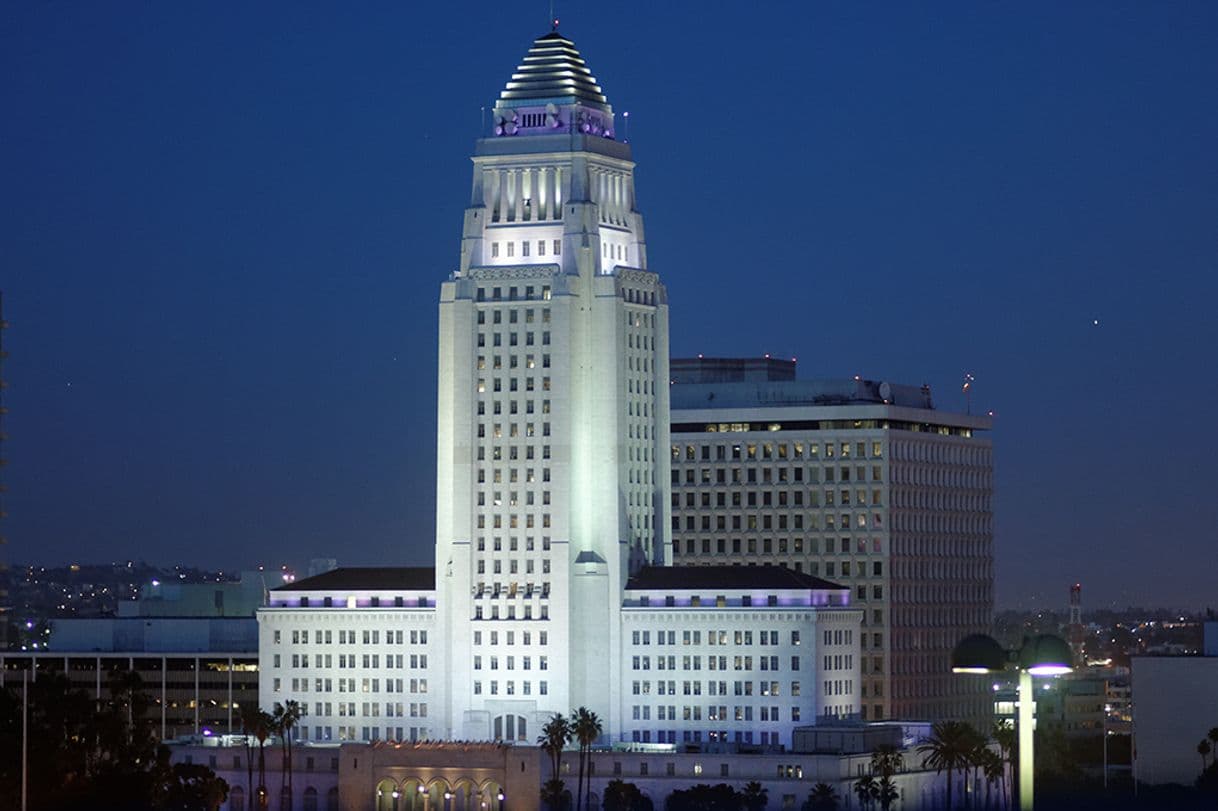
[553, 585]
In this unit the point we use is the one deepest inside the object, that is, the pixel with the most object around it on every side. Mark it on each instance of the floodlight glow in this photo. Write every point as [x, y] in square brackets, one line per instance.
[1049, 670]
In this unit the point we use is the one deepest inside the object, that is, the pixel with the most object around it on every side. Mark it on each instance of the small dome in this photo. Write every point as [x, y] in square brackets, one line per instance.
[978, 653]
[553, 69]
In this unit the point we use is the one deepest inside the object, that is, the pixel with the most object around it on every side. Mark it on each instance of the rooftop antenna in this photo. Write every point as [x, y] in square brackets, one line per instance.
[968, 391]
[553, 19]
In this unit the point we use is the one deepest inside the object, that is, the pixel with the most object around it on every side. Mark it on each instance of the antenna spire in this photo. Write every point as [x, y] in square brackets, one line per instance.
[553, 19]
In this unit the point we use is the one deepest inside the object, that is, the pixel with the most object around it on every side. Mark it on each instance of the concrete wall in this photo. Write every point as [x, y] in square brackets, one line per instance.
[1175, 703]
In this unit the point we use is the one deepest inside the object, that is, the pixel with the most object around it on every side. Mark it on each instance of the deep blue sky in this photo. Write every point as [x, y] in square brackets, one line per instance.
[223, 229]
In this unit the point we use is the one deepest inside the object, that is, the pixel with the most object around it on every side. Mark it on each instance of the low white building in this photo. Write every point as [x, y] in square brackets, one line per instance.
[355, 647]
[709, 655]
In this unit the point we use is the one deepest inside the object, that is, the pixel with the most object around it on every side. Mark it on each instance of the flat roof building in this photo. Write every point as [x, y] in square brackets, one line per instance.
[861, 482]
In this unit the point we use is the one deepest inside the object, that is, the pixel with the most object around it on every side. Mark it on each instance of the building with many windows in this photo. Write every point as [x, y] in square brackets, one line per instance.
[861, 482]
[710, 656]
[553, 586]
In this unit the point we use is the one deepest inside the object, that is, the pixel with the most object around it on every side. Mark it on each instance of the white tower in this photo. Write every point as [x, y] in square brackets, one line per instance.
[552, 475]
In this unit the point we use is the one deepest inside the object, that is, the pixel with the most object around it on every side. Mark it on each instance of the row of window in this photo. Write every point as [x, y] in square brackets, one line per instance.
[697, 736]
[713, 688]
[723, 476]
[781, 521]
[509, 637]
[514, 339]
[509, 688]
[513, 498]
[838, 687]
[373, 602]
[367, 709]
[543, 612]
[348, 685]
[713, 637]
[513, 384]
[496, 476]
[322, 734]
[767, 714]
[514, 313]
[526, 662]
[513, 568]
[738, 662]
[526, 247]
[769, 546]
[514, 588]
[348, 637]
[514, 520]
[514, 362]
[513, 543]
[371, 661]
[736, 476]
[777, 450]
[497, 407]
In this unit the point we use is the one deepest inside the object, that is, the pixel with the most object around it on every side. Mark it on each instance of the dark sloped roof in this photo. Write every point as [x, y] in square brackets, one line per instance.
[678, 578]
[368, 578]
[553, 68]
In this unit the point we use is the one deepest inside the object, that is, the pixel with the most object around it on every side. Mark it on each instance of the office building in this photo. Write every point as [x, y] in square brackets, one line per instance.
[863, 483]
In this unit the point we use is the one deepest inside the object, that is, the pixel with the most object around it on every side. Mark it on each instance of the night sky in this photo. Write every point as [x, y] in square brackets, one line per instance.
[224, 227]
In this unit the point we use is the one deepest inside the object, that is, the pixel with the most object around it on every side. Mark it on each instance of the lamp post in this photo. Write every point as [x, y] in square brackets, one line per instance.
[501, 798]
[1044, 655]
[448, 798]
[423, 795]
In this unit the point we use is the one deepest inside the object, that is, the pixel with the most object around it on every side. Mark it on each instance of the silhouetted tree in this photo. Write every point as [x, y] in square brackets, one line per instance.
[585, 728]
[949, 748]
[823, 797]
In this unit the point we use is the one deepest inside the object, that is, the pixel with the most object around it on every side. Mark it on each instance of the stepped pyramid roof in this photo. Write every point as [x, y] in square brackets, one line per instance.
[552, 69]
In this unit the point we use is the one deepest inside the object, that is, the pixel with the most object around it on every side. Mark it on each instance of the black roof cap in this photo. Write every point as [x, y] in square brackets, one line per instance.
[685, 578]
[368, 578]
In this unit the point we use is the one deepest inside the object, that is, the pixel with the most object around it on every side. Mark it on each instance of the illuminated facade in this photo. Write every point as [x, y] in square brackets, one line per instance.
[553, 402]
[553, 586]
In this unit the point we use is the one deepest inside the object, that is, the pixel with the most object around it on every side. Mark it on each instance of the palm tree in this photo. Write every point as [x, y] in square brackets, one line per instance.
[264, 724]
[948, 749]
[886, 761]
[755, 796]
[823, 797]
[249, 722]
[1213, 736]
[994, 770]
[865, 788]
[1203, 749]
[1004, 736]
[586, 728]
[285, 717]
[977, 755]
[555, 735]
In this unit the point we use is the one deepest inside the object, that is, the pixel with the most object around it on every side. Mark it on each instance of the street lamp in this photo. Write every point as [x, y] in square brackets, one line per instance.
[501, 799]
[423, 794]
[448, 796]
[1044, 655]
